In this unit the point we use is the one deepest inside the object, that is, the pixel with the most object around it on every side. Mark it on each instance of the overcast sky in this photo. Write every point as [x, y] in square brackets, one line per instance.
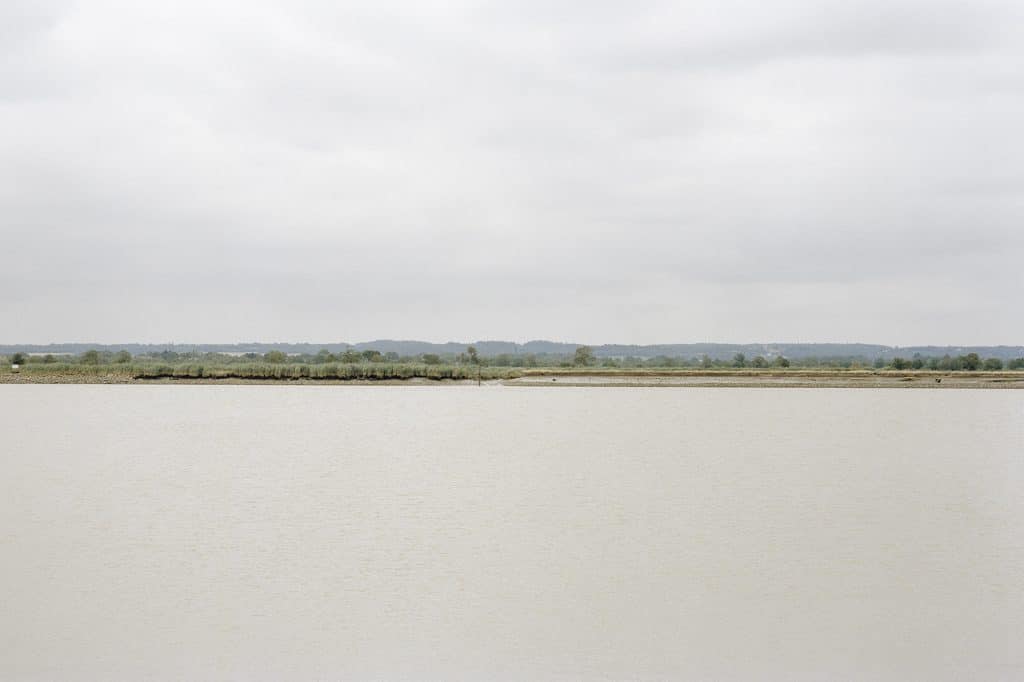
[588, 171]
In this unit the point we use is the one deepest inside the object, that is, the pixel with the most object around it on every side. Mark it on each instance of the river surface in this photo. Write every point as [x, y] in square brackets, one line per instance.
[457, 532]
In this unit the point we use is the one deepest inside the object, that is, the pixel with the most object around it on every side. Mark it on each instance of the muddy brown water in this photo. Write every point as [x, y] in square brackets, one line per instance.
[455, 532]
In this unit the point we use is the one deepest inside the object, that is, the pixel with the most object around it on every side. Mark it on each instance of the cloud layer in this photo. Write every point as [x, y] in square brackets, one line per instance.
[603, 172]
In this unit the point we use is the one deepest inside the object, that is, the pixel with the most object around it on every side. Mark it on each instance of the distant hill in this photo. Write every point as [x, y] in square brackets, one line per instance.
[719, 351]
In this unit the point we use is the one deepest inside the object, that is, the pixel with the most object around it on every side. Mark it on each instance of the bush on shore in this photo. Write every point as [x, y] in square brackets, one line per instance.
[329, 371]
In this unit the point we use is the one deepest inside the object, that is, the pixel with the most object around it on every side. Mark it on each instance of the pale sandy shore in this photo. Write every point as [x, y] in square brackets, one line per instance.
[946, 381]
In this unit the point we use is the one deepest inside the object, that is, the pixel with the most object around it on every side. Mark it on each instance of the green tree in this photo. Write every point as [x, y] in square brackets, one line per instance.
[900, 363]
[993, 364]
[971, 362]
[705, 361]
[759, 362]
[584, 356]
[739, 360]
[49, 359]
[91, 357]
[350, 356]
[781, 362]
[1016, 363]
[474, 357]
[18, 359]
[431, 359]
[123, 357]
[275, 356]
[372, 356]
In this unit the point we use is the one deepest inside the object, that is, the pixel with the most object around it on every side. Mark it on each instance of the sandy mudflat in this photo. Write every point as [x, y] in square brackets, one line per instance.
[836, 380]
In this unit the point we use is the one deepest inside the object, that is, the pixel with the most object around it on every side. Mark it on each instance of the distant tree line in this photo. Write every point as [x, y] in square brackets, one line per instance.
[970, 362]
[583, 356]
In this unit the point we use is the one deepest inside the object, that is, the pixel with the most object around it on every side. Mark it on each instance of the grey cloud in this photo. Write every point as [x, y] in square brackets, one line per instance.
[614, 171]
[839, 30]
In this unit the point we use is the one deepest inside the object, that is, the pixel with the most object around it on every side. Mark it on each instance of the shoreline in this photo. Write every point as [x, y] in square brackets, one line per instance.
[922, 383]
[594, 379]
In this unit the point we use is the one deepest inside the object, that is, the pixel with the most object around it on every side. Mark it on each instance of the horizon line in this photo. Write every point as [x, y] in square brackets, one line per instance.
[516, 343]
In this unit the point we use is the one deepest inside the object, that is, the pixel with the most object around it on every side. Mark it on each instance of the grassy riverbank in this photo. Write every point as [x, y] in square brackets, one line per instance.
[765, 378]
[126, 373]
[407, 373]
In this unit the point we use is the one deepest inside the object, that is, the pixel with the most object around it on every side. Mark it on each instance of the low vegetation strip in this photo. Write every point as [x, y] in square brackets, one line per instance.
[365, 372]
[565, 376]
[260, 371]
[94, 366]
